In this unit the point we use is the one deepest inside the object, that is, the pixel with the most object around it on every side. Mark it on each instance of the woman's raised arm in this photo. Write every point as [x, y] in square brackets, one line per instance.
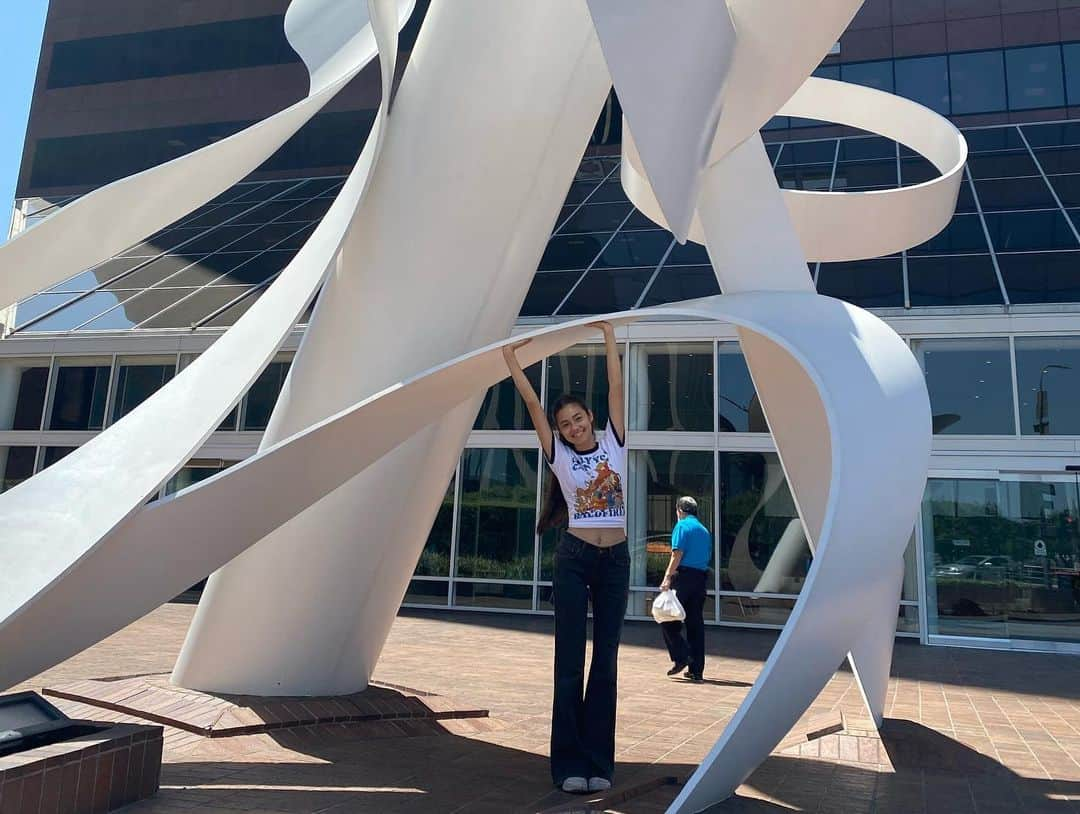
[528, 395]
[615, 381]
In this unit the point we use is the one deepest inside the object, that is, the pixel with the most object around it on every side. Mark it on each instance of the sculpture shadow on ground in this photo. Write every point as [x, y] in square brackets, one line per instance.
[339, 774]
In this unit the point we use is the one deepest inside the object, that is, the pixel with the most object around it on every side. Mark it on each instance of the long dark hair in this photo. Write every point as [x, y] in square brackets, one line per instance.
[554, 512]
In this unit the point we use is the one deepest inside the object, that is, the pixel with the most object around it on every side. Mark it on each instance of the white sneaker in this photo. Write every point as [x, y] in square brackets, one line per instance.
[576, 785]
[599, 784]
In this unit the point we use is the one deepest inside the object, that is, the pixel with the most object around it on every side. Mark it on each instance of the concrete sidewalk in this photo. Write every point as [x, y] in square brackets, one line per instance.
[969, 731]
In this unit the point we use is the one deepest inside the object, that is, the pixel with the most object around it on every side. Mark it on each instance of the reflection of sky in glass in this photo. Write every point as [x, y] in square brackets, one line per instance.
[81, 310]
[38, 305]
[138, 309]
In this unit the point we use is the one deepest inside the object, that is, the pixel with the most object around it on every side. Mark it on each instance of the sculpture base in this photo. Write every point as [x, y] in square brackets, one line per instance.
[382, 709]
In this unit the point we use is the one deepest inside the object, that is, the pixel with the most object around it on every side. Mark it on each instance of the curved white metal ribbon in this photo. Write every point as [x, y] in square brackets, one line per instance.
[171, 543]
[335, 40]
[835, 226]
[58, 517]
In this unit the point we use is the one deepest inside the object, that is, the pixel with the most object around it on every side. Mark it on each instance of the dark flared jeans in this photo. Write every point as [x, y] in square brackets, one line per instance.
[689, 584]
[583, 717]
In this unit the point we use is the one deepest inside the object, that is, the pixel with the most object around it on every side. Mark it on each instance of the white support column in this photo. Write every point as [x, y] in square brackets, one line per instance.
[438, 263]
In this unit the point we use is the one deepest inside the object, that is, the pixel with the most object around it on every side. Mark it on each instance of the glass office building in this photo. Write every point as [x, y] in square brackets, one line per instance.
[991, 308]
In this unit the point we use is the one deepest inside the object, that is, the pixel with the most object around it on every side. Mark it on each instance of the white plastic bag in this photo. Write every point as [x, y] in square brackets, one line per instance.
[667, 608]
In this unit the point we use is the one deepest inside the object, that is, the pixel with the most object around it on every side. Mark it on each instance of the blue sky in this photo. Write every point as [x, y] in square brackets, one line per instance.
[20, 41]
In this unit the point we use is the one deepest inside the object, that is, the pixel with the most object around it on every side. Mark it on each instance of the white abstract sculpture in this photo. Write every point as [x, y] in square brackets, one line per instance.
[424, 257]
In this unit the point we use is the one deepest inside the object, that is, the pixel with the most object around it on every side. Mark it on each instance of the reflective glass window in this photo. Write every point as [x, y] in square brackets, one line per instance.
[987, 139]
[581, 371]
[688, 254]
[580, 190]
[547, 291]
[738, 408]
[1071, 54]
[427, 592]
[38, 314]
[16, 465]
[970, 385]
[572, 251]
[1007, 164]
[865, 148]
[135, 310]
[1030, 231]
[865, 174]
[877, 283]
[1014, 193]
[637, 220]
[671, 386]
[195, 471]
[807, 152]
[924, 80]
[1048, 384]
[810, 177]
[194, 307]
[916, 170]
[1041, 276]
[608, 192]
[1002, 557]
[967, 279]
[877, 75]
[138, 378]
[493, 595]
[1035, 77]
[595, 218]
[1067, 188]
[681, 283]
[497, 525]
[1056, 160]
[763, 546]
[435, 558]
[1054, 134]
[626, 249]
[657, 480]
[22, 393]
[503, 408]
[963, 235]
[61, 161]
[81, 388]
[259, 402]
[604, 290]
[977, 82]
[217, 46]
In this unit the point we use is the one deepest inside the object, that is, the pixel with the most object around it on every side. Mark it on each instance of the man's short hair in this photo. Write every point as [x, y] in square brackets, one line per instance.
[687, 505]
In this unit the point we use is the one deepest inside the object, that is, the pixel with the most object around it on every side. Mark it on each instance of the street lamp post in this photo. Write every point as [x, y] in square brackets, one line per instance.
[1042, 404]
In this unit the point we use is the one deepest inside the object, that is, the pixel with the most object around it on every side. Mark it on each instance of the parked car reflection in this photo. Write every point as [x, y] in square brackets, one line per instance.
[976, 566]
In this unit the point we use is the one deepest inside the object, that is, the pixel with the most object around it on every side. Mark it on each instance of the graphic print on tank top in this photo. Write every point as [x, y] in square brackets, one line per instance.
[602, 494]
[592, 482]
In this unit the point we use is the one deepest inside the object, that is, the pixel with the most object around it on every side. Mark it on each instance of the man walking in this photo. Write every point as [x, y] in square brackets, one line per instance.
[691, 552]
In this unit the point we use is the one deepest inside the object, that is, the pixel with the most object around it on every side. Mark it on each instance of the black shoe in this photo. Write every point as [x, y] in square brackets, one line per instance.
[679, 667]
[697, 678]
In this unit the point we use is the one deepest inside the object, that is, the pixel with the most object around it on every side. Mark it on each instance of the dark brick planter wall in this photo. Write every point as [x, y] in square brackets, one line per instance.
[89, 774]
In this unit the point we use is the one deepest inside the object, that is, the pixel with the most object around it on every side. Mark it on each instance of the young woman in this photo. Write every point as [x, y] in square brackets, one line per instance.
[592, 563]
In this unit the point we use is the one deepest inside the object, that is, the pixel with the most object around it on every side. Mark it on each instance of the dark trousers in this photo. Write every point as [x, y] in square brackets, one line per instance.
[689, 584]
[583, 717]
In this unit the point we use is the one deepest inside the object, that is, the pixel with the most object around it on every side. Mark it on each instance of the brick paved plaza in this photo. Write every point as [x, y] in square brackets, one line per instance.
[967, 731]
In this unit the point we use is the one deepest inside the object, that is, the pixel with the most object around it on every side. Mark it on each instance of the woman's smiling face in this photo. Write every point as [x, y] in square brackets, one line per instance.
[575, 424]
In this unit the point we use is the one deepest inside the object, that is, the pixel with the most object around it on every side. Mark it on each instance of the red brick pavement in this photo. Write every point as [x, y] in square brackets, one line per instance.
[969, 731]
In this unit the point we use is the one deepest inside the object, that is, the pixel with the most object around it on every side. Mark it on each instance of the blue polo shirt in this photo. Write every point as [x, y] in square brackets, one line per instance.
[694, 541]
